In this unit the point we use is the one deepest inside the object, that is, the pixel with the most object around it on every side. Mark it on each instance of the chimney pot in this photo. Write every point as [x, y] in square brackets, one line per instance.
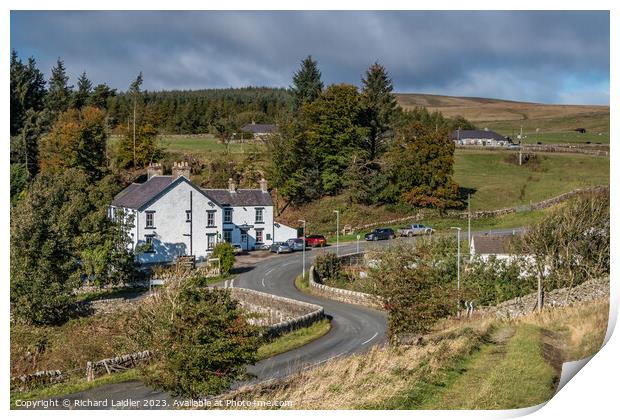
[263, 185]
[154, 169]
[231, 186]
[180, 169]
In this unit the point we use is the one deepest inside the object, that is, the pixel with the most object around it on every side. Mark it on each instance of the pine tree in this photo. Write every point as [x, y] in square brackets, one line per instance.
[307, 84]
[380, 105]
[27, 90]
[134, 90]
[83, 92]
[58, 96]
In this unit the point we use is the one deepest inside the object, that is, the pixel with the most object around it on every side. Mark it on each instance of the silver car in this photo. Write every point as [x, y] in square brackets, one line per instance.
[280, 248]
[296, 244]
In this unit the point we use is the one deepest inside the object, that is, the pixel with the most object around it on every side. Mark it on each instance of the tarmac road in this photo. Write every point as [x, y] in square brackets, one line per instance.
[354, 328]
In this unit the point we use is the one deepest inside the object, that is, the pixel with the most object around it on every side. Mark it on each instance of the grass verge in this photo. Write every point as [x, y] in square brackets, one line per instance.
[294, 339]
[511, 374]
[73, 386]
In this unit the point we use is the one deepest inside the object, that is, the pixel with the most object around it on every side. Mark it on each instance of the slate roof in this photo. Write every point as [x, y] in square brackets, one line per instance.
[240, 198]
[492, 244]
[260, 128]
[137, 195]
[476, 134]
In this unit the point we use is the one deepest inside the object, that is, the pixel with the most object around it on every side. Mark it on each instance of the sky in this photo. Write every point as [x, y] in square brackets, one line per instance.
[539, 56]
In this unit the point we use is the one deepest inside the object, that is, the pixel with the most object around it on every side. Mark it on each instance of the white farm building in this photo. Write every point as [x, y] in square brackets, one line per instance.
[174, 217]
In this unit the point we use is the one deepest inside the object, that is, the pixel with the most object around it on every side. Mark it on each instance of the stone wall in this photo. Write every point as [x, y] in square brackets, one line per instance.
[116, 364]
[342, 295]
[37, 379]
[422, 214]
[279, 314]
[585, 292]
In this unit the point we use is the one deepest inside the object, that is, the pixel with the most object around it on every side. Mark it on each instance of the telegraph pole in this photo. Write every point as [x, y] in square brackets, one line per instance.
[469, 219]
[458, 270]
[337, 232]
[303, 251]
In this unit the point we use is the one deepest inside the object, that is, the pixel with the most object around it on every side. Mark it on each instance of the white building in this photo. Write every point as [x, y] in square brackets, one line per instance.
[498, 246]
[479, 138]
[174, 217]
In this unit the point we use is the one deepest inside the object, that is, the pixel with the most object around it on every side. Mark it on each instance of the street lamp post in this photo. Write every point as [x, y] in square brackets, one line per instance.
[358, 243]
[458, 269]
[337, 232]
[303, 250]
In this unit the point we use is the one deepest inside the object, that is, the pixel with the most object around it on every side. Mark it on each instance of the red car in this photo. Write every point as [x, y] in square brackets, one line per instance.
[316, 240]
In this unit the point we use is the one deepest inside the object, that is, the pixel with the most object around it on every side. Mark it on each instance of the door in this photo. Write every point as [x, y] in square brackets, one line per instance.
[244, 240]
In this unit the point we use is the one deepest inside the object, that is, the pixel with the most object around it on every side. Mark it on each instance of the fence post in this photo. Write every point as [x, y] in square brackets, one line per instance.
[90, 374]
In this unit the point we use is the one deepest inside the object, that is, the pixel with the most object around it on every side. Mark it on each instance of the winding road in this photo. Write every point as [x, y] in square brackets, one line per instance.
[354, 329]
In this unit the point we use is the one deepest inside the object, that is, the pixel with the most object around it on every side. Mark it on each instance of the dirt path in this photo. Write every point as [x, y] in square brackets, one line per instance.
[518, 367]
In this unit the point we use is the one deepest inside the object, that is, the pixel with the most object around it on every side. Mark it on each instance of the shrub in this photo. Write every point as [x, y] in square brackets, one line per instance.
[417, 284]
[199, 336]
[328, 265]
[225, 252]
[494, 281]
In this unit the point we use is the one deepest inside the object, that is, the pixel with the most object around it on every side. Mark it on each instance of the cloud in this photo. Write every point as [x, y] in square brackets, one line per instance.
[512, 55]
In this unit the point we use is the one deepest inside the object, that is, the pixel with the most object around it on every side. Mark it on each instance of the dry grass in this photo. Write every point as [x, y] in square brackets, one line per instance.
[69, 346]
[365, 380]
[581, 328]
[483, 109]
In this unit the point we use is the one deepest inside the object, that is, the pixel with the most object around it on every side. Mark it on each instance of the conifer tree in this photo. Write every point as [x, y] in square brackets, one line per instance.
[380, 105]
[83, 92]
[58, 96]
[307, 84]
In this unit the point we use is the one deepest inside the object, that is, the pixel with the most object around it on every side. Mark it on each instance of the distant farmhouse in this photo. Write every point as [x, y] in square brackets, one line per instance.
[479, 138]
[260, 131]
[171, 216]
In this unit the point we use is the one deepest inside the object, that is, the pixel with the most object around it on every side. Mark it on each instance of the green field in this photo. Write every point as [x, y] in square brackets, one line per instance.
[500, 184]
[201, 146]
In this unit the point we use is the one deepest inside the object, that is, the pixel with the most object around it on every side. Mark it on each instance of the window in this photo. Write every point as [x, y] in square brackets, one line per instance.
[148, 239]
[150, 220]
[259, 216]
[211, 241]
[188, 216]
[244, 236]
[228, 236]
[210, 218]
[259, 236]
[269, 236]
[227, 215]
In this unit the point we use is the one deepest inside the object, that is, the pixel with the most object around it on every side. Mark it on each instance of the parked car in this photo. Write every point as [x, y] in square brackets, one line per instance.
[380, 234]
[280, 248]
[316, 240]
[296, 244]
[262, 247]
[237, 249]
[415, 229]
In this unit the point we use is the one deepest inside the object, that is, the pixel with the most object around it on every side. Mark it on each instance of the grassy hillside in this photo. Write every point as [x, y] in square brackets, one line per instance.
[500, 183]
[555, 123]
[481, 364]
[495, 180]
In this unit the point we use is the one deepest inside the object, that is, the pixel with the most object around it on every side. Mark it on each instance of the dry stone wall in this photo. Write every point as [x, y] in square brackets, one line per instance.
[588, 291]
[342, 295]
[280, 314]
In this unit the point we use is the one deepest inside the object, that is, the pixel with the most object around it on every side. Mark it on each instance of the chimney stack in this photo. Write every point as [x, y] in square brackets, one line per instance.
[231, 186]
[154, 169]
[263, 185]
[180, 169]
